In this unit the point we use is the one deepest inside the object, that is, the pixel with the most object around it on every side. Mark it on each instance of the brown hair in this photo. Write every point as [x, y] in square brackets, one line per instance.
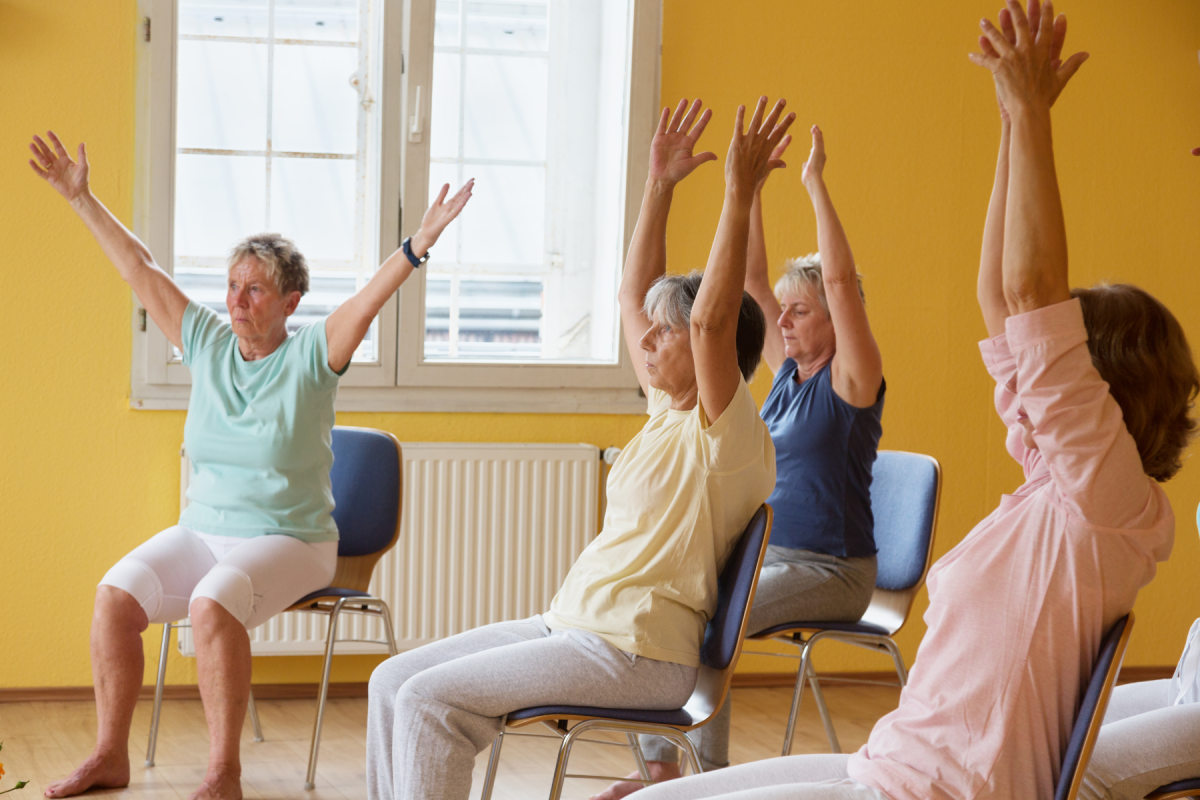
[278, 254]
[1139, 349]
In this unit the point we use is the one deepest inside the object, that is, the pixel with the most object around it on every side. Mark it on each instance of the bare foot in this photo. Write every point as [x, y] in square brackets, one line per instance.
[219, 785]
[659, 771]
[100, 771]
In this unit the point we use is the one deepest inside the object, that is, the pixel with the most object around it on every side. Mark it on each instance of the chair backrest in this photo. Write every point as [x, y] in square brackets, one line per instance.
[1092, 708]
[906, 490]
[725, 631]
[366, 477]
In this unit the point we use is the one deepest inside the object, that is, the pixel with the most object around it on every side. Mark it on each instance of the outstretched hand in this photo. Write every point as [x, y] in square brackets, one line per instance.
[1024, 55]
[440, 214]
[671, 158]
[69, 178]
[752, 154]
[776, 161]
[814, 168]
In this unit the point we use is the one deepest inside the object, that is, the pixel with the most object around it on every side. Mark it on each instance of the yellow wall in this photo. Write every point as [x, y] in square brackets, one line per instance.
[911, 132]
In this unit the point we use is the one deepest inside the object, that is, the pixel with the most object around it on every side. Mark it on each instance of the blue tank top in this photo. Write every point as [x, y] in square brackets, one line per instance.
[824, 451]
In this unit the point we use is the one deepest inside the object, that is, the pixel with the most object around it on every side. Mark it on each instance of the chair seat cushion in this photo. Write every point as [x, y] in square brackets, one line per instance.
[678, 717]
[331, 591]
[844, 627]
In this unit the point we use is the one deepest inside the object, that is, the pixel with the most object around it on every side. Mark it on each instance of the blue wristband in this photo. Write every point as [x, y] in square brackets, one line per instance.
[406, 247]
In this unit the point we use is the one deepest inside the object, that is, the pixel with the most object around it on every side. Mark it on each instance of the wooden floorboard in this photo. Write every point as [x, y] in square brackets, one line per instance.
[43, 740]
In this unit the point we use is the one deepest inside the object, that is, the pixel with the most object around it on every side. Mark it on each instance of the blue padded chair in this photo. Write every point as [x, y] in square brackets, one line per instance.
[905, 493]
[718, 657]
[1177, 790]
[1092, 707]
[367, 477]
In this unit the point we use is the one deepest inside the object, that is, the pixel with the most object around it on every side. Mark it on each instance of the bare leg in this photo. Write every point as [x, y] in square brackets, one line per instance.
[117, 667]
[223, 664]
[659, 771]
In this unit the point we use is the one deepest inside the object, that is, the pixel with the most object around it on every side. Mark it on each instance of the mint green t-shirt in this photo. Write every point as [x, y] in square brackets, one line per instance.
[258, 433]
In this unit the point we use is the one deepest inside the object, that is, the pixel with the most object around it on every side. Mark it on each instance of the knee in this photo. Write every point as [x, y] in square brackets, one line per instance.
[222, 595]
[118, 607]
[388, 679]
[208, 617]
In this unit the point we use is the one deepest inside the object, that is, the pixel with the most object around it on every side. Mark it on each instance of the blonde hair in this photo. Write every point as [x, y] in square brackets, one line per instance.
[1140, 350]
[284, 264]
[804, 274]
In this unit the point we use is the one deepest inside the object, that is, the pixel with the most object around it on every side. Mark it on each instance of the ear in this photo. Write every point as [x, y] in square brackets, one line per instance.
[293, 300]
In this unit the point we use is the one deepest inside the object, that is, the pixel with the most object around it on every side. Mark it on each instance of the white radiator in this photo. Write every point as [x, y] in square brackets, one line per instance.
[488, 532]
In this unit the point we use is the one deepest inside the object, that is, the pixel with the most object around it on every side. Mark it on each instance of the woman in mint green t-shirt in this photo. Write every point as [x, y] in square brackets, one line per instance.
[257, 533]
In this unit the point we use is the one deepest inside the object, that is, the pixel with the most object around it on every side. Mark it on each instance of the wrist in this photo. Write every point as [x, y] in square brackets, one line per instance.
[82, 200]
[740, 192]
[421, 242]
[1026, 109]
[659, 186]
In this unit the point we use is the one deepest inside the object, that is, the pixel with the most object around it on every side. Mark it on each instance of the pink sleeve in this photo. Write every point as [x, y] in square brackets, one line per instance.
[1003, 368]
[1077, 424]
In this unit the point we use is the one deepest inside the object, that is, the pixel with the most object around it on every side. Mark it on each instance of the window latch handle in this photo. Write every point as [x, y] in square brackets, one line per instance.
[414, 122]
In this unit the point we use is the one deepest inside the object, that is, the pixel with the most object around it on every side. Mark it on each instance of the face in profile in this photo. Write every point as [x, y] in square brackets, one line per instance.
[669, 362]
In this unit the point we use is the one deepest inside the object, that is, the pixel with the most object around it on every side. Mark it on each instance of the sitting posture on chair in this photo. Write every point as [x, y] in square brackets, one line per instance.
[257, 534]
[824, 413]
[625, 629]
[1151, 734]
[1019, 609]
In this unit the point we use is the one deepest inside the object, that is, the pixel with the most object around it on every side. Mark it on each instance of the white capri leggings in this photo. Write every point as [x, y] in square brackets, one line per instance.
[253, 579]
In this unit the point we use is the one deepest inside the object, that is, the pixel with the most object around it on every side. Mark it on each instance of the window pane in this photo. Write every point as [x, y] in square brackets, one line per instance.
[222, 96]
[483, 317]
[218, 200]
[223, 17]
[437, 316]
[507, 25]
[507, 216]
[444, 115]
[313, 202]
[321, 20]
[315, 109]
[506, 108]
[446, 23]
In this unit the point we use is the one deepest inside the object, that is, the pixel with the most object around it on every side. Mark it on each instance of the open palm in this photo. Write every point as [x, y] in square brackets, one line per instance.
[69, 178]
[671, 151]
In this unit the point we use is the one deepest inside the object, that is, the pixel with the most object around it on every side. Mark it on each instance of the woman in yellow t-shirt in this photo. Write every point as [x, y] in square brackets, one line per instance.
[626, 627]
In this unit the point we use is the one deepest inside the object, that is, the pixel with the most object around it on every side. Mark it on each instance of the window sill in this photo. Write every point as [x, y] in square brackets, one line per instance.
[481, 399]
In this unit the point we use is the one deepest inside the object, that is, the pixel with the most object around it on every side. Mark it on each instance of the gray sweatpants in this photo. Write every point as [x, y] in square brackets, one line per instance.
[1144, 743]
[793, 585]
[820, 777]
[431, 710]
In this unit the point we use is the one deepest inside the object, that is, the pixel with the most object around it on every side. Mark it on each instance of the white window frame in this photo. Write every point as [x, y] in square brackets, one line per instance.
[400, 380]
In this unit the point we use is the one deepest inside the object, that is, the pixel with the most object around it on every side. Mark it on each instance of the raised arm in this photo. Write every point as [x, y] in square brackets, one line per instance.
[719, 300]
[857, 369]
[349, 322]
[671, 160]
[162, 298]
[990, 287]
[758, 278]
[1035, 238]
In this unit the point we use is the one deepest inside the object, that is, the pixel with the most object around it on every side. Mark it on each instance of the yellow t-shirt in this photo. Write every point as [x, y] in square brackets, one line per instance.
[679, 497]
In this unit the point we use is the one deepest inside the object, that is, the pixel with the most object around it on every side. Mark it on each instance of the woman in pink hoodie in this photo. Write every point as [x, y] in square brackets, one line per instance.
[1095, 388]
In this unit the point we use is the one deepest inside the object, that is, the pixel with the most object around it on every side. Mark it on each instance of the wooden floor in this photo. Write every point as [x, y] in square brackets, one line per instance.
[43, 740]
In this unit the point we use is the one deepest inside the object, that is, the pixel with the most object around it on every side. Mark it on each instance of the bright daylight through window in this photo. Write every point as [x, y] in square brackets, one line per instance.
[529, 99]
[275, 131]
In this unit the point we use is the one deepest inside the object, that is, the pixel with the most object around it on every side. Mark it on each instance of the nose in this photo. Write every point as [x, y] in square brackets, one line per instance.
[783, 321]
[647, 340]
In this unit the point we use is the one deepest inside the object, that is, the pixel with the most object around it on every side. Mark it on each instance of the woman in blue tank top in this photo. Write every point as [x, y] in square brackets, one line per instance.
[824, 414]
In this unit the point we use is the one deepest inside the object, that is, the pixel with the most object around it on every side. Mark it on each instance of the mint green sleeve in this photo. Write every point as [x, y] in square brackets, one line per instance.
[313, 349]
[201, 327]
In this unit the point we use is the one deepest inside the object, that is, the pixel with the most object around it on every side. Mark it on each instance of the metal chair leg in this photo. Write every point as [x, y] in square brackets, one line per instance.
[797, 695]
[387, 627]
[330, 638]
[901, 671]
[489, 780]
[254, 723]
[156, 714]
[823, 710]
[684, 743]
[638, 756]
[560, 767]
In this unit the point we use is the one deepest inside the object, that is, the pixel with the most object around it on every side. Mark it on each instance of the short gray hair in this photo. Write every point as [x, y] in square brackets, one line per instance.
[800, 274]
[671, 298]
[279, 257]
